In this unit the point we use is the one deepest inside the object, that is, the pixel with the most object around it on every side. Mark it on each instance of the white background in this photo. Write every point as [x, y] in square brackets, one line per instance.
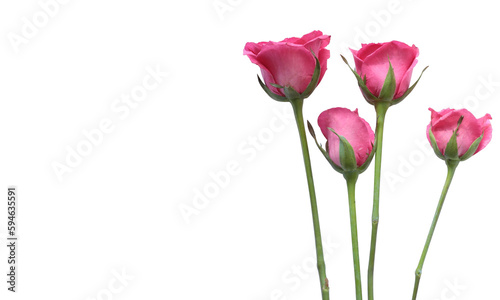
[118, 210]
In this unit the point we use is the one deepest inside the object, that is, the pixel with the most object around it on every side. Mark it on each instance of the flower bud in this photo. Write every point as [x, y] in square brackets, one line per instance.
[292, 67]
[349, 146]
[457, 134]
[384, 71]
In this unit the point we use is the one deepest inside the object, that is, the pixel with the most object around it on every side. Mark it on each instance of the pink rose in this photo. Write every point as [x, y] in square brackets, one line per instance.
[443, 124]
[372, 61]
[348, 124]
[290, 63]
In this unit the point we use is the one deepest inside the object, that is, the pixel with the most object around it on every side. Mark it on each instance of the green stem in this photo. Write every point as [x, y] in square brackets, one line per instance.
[452, 165]
[297, 109]
[351, 179]
[381, 109]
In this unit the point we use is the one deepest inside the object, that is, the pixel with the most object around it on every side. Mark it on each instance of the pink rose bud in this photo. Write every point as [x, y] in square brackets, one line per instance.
[384, 70]
[290, 63]
[455, 134]
[344, 129]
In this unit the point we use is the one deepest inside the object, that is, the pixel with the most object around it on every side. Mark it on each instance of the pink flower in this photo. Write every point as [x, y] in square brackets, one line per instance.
[443, 124]
[349, 125]
[290, 62]
[372, 61]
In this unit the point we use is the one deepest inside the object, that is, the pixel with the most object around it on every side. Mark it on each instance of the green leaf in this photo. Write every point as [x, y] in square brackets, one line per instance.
[270, 93]
[370, 98]
[314, 79]
[434, 144]
[277, 85]
[396, 101]
[346, 154]
[389, 87]
[472, 149]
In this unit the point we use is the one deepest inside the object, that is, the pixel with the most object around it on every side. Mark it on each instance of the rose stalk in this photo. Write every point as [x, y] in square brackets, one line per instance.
[349, 150]
[292, 69]
[383, 72]
[455, 136]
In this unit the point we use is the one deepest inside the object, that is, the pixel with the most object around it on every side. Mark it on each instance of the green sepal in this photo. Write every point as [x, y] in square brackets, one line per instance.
[434, 144]
[311, 130]
[472, 148]
[389, 87]
[314, 79]
[277, 85]
[451, 151]
[365, 166]
[323, 151]
[347, 157]
[369, 97]
[408, 91]
[270, 93]
[291, 94]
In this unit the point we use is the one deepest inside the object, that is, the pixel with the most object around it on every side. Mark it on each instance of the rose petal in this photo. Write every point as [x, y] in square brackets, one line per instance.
[367, 49]
[405, 82]
[487, 132]
[290, 65]
[372, 61]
